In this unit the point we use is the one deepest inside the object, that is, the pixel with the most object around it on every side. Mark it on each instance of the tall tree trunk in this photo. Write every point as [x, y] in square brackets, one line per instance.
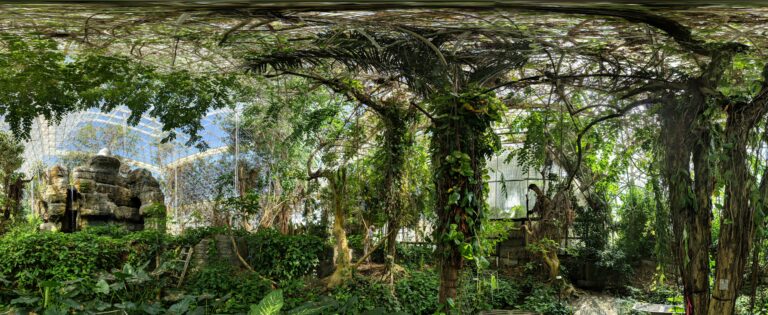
[737, 222]
[397, 140]
[462, 141]
[337, 184]
[686, 141]
[7, 204]
[393, 226]
[17, 193]
[755, 270]
[450, 269]
[699, 239]
[284, 218]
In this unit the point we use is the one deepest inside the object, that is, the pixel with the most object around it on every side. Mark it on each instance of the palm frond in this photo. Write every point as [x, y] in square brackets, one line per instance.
[426, 59]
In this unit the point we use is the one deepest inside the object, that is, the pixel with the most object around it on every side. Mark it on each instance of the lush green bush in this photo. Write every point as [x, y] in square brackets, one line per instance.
[609, 267]
[661, 294]
[237, 289]
[111, 230]
[414, 255]
[635, 228]
[364, 294]
[743, 303]
[418, 292]
[614, 261]
[29, 258]
[485, 290]
[543, 299]
[505, 295]
[75, 267]
[356, 242]
[280, 256]
[143, 246]
[94, 270]
[297, 292]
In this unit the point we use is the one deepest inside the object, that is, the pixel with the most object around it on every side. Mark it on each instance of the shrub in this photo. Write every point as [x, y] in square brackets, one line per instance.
[661, 294]
[281, 256]
[237, 289]
[743, 303]
[418, 292]
[296, 292]
[146, 245]
[364, 294]
[506, 294]
[542, 299]
[484, 291]
[111, 230]
[356, 243]
[414, 255]
[30, 258]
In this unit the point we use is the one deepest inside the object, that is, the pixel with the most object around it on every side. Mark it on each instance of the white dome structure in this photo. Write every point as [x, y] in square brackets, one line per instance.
[188, 175]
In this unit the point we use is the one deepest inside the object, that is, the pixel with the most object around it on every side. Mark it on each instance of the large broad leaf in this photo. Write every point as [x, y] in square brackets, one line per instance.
[270, 305]
[314, 308]
[101, 287]
[311, 309]
[27, 300]
[151, 308]
[182, 306]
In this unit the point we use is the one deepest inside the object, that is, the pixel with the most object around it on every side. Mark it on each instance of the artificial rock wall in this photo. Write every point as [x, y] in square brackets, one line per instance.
[99, 195]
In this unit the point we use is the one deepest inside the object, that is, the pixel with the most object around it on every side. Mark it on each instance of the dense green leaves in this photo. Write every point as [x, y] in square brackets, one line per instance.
[31, 258]
[462, 140]
[284, 256]
[38, 79]
[270, 305]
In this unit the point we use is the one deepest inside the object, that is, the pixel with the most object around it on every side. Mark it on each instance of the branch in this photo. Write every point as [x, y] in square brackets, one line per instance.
[680, 33]
[368, 254]
[529, 80]
[353, 94]
[414, 104]
[342, 88]
[232, 30]
[428, 43]
[581, 134]
[549, 77]
[320, 172]
[655, 86]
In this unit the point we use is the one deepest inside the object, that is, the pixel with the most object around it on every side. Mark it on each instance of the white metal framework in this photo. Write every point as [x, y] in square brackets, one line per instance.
[188, 176]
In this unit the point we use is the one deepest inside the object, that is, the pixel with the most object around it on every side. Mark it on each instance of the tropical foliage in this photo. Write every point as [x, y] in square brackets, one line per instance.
[364, 147]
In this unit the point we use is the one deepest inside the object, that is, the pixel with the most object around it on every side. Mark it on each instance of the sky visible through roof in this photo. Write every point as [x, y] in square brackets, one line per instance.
[48, 142]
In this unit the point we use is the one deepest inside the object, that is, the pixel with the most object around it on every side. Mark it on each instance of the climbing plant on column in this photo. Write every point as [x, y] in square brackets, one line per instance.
[462, 140]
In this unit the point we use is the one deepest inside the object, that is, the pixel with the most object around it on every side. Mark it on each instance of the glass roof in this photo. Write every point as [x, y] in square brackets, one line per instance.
[188, 176]
[139, 146]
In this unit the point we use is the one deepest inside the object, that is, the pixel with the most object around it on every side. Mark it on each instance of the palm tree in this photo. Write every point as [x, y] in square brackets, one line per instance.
[429, 63]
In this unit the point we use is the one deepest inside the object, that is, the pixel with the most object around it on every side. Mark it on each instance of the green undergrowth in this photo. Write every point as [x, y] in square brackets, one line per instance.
[108, 269]
[416, 293]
